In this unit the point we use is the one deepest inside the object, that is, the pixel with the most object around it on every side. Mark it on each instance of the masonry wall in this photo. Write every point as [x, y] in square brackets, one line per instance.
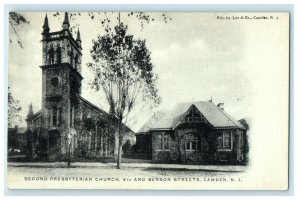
[178, 153]
[81, 129]
[160, 153]
[94, 138]
[143, 147]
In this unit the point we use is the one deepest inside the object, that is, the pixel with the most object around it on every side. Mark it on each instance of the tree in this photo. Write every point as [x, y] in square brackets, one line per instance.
[106, 19]
[14, 109]
[122, 69]
[16, 20]
[244, 123]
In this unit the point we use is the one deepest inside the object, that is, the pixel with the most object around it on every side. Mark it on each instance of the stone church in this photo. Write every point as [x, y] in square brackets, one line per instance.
[68, 124]
[195, 132]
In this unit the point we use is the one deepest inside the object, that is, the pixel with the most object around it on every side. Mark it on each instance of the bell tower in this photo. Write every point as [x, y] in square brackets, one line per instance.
[61, 78]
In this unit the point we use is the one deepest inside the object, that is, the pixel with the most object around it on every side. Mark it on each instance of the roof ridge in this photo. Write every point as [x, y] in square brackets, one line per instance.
[91, 104]
[187, 112]
[227, 115]
[102, 111]
[182, 116]
[157, 115]
[35, 115]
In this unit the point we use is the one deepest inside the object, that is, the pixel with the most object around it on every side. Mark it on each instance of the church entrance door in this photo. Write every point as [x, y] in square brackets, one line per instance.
[190, 147]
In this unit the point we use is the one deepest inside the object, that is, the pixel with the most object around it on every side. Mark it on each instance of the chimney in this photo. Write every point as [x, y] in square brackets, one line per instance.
[221, 106]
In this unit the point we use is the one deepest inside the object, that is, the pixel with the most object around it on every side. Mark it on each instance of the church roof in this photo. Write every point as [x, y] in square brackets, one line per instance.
[89, 104]
[100, 111]
[34, 116]
[215, 116]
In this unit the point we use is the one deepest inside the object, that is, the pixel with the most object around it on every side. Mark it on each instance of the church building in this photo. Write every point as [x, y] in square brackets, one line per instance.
[68, 124]
[196, 132]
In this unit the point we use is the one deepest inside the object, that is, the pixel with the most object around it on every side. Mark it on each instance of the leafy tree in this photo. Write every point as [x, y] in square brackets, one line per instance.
[244, 123]
[123, 70]
[106, 19]
[16, 20]
[14, 109]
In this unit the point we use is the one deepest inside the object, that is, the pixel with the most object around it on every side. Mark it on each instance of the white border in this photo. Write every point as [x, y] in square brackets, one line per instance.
[294, 93]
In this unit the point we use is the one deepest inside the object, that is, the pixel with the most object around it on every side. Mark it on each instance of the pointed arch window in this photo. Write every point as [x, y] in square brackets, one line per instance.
[51, 55]
[58, 54]
[76, 61]
[71, 57]
[164, 141]
[72, 114]
[54, 116]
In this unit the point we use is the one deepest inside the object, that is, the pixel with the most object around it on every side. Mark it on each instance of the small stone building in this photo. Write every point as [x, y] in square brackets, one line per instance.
[17, 140]
[200, 132]
[68, 124]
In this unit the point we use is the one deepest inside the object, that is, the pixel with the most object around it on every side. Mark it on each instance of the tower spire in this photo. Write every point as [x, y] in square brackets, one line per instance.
[66, 23]
[46, 28]
[78, 39]
[78, 36]
[30, 111]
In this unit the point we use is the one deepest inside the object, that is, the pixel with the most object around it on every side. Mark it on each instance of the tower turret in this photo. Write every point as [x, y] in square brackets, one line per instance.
[61, 78]
[46, 28]
[66, 23]
[30, 111]
[78, 39]
[61, 86]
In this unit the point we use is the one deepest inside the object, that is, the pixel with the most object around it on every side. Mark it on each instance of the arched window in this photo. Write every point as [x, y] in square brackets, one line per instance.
[76, 61]
[163, 141]
[54, 116]
[58, 54]
[72, 114]
[71, 57]
[51, 55]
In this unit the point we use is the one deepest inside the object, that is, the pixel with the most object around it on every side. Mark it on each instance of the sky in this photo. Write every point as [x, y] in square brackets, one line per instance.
[196, 56]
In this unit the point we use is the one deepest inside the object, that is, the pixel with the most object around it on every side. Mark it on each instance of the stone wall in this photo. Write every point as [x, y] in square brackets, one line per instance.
[179, 151]
[70, 123]
[159, 152]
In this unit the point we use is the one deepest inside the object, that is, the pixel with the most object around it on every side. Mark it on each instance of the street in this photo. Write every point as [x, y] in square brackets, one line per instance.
[105, 175]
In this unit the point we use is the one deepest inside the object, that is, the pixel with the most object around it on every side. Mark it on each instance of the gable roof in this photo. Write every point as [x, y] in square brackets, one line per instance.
[217, 117]
[98, 110]
[92, 106]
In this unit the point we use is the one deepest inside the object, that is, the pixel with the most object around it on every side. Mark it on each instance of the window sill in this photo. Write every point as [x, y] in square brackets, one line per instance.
[225, 150]
[163, 150]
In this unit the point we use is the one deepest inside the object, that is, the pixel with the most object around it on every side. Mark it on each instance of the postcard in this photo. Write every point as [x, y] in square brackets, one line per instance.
[148, 100]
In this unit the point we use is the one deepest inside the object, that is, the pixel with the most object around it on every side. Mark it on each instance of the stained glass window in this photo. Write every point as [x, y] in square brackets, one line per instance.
[166, 141]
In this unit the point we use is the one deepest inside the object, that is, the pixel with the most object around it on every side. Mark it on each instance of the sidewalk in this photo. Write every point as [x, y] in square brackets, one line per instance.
[220, 168]
[224, 168]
